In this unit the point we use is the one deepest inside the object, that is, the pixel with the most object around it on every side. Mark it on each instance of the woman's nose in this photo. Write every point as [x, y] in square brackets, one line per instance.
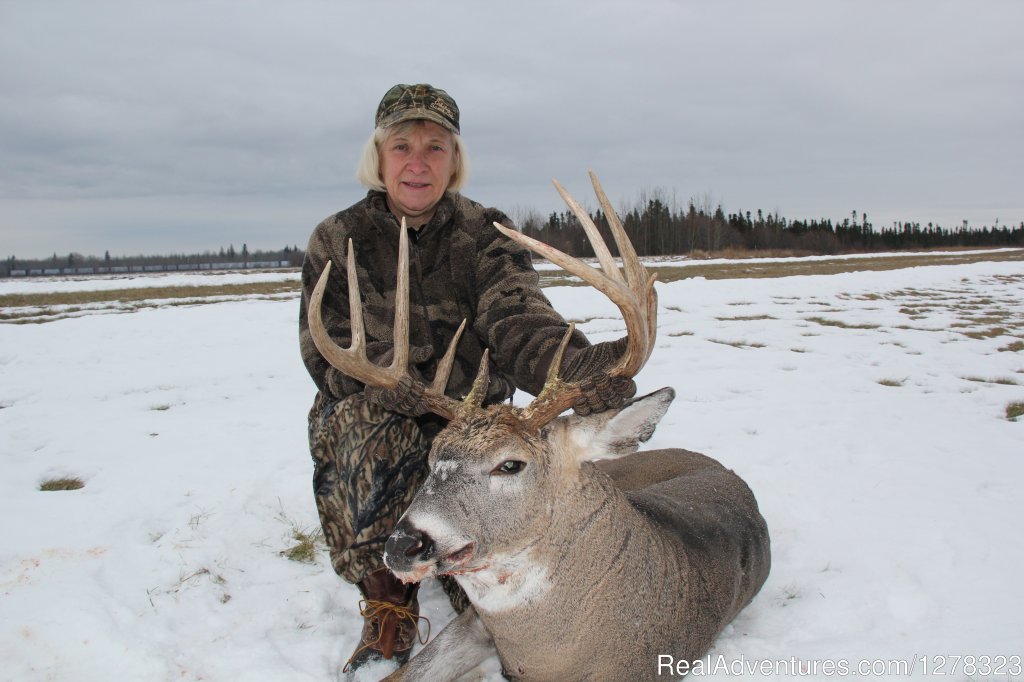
[417, 162]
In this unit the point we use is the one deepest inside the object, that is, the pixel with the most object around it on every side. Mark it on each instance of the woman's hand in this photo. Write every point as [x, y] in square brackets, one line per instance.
[406, 398]
[601, 392]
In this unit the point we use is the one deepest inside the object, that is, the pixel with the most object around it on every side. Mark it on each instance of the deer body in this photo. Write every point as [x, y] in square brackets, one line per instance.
[652, 554]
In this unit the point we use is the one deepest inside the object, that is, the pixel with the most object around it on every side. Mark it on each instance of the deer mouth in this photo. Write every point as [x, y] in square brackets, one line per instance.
[416, 575]
[457, 561]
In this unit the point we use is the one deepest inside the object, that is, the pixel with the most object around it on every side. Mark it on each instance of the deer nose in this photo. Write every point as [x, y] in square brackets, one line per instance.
[408, 543]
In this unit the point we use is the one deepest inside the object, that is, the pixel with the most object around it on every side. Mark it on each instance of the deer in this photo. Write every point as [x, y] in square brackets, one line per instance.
[583, 557]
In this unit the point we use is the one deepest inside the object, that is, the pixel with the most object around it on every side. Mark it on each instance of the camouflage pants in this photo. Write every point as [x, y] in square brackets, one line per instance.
[368, 464]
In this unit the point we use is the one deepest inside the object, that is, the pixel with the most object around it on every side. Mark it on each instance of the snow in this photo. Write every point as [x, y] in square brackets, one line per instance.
[39, 285]
[894, 509]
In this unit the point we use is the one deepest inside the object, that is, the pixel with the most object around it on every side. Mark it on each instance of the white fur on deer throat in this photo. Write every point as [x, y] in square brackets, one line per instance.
[507, 582]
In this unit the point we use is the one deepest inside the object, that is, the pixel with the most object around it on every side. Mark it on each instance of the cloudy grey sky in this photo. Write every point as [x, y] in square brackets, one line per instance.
[143, 126]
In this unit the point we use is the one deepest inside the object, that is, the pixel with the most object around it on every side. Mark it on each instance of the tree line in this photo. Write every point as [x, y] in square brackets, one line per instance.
[289, 256]
[655, 226]
[656, 229]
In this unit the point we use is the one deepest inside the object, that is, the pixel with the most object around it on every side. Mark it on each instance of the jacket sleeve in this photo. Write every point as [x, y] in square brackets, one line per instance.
[516, 319]
[328, 243]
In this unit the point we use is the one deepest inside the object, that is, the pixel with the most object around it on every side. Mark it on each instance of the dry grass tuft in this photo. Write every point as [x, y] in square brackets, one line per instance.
[307, 543]
[1014, 411]
[1004, 381]
[307, 546]
[745, 318]
[738, 344]
[825, 322]
[66, 483]
[989, 333]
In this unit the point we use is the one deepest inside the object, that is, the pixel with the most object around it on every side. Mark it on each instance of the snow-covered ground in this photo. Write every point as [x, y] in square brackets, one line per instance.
[894, 507]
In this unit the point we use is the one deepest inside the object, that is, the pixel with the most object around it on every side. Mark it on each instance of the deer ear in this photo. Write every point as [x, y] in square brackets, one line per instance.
[616, 433]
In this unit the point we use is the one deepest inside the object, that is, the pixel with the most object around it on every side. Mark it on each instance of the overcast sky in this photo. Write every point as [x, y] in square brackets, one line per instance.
[157, 127]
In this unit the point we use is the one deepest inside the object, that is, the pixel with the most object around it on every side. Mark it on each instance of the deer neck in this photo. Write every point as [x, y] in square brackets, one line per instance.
[598, 526]
[597, 545]
[574, 534]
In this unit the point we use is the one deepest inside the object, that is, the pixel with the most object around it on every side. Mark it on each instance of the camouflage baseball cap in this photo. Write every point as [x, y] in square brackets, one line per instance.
[408, 102]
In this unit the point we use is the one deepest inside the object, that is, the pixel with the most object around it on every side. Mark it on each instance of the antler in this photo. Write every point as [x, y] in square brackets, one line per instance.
[353, 361]
[633, 294]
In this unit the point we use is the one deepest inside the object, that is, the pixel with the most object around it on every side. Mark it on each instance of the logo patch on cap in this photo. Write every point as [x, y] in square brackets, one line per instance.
[440, 105]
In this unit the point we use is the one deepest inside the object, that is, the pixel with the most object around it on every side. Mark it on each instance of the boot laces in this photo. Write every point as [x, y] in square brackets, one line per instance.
[378, 611]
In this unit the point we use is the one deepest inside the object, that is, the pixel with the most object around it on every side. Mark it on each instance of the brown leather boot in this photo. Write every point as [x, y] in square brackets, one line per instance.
[391, 616]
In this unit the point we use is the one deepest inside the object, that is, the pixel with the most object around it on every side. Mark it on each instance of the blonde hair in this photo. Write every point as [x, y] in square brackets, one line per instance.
[368, 170]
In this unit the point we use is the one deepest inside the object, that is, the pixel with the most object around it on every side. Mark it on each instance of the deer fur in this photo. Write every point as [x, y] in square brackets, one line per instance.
[589, 562]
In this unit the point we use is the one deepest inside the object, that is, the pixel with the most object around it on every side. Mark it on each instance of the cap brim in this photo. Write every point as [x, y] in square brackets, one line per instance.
[418, 114]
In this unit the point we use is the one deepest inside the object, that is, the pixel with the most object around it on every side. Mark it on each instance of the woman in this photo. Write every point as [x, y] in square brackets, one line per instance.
[370, 445]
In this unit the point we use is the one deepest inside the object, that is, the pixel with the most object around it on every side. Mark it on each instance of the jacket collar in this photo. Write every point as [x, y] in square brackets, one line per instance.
[443, 213]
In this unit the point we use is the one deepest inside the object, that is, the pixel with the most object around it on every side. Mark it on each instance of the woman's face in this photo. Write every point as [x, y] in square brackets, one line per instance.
[416, 166]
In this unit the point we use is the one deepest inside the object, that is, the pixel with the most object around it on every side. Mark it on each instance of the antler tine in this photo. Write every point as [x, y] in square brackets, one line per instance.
[636, 274]
[604, 256]
[475, 398]
[353, 361]
[400, 335]
[444, 368]
[434, 395]
[652, 315]
[556, 396]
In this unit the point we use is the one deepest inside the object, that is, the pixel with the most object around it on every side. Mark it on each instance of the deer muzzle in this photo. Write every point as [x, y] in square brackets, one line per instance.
[409, 550]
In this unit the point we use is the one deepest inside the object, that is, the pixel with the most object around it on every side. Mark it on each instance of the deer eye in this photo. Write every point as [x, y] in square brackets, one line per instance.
[509, 467]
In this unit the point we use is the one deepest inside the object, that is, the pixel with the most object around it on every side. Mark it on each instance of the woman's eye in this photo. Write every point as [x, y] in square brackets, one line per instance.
[509, 467]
